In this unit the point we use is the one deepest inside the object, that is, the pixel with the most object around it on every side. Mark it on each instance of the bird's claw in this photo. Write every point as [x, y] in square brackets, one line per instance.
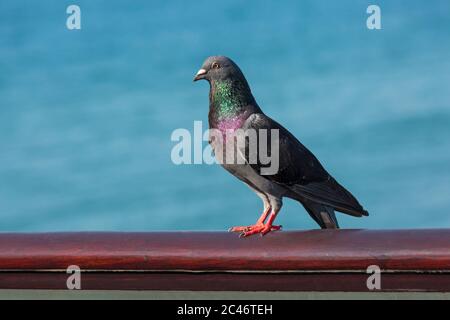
[240, 229]
[262, 229]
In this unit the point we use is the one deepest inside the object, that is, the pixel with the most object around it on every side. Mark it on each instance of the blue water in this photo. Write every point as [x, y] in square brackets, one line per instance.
[86, 116]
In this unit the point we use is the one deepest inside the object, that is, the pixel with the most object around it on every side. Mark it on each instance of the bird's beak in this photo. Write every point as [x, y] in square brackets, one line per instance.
[200, 75]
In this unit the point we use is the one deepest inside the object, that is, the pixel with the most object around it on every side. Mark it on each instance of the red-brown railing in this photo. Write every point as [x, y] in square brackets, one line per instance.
[319, 260]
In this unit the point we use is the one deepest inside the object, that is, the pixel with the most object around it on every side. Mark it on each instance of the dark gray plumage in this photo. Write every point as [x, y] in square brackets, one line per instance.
[300, 175]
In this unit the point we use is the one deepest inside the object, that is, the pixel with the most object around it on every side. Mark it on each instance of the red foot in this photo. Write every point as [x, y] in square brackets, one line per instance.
[254, 229]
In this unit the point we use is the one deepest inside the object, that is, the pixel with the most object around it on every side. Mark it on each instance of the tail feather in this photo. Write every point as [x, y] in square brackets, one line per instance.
[329, 193]
[323, 215]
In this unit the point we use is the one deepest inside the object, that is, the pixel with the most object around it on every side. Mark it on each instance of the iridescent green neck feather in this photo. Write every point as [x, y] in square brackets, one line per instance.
[226, 101]
[229, 98]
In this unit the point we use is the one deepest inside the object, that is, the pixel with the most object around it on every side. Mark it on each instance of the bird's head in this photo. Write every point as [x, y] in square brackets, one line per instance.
[218, 68]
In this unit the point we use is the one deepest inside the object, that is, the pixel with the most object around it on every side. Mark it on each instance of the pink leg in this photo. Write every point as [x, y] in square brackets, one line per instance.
[258, 223]
[262, 228]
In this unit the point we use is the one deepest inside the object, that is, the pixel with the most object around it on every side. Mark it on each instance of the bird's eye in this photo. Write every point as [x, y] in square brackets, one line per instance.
[215, 65]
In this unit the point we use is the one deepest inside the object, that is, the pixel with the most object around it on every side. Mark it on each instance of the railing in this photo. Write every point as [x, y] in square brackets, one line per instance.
[319, 260]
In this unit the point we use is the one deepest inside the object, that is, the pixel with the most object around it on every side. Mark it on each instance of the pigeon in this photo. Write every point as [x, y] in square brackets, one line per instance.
[300, 175]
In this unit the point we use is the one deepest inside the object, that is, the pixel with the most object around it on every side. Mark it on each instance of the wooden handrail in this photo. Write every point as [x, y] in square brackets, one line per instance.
[318, 260]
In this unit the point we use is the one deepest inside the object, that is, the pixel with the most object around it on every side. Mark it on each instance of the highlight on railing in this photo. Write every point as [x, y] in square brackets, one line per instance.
[319, 260]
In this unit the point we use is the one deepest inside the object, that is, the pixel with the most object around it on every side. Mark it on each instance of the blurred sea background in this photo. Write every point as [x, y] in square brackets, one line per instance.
[86, 116]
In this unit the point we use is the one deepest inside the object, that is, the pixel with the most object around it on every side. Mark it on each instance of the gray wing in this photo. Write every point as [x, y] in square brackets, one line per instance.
[299, 170]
